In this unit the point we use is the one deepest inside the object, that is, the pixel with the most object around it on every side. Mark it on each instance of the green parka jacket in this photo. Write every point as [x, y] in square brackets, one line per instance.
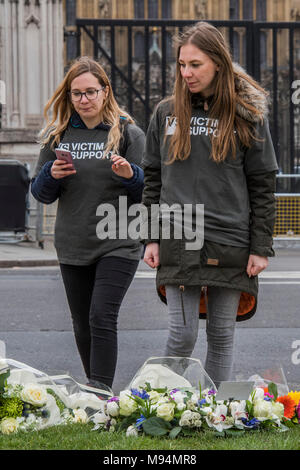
[238, 198]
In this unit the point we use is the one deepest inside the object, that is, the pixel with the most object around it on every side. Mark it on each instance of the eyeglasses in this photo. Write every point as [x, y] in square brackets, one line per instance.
[89, 94]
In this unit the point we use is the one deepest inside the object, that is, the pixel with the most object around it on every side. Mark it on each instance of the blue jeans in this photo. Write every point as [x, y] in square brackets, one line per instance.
[183, 308]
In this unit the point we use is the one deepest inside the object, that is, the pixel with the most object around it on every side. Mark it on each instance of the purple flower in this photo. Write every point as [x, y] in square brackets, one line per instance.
[113, 399]
[174, 390]
[212, 392]
[298, 412]
[143, 394]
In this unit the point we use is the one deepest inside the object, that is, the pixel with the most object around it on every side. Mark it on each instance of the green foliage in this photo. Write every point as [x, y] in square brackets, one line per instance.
[272, 389]
[10, 407]
[59, 403]
[156, 426]
[3, 378]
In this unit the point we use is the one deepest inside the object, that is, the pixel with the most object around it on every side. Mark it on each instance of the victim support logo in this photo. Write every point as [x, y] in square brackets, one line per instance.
[86, 150]
[137, 222]
[199, 126]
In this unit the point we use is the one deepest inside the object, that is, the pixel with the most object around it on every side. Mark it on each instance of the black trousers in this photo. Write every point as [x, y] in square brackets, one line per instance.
[95, 293]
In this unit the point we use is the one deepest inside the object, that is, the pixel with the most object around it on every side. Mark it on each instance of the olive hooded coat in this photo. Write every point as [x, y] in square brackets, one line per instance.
[237, 196]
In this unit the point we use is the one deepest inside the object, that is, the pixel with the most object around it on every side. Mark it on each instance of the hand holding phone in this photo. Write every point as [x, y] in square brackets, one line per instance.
[64, 155]
[63, 166]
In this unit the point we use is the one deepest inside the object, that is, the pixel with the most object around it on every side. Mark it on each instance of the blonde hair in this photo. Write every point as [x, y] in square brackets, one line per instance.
[223, 106]
[63, 108]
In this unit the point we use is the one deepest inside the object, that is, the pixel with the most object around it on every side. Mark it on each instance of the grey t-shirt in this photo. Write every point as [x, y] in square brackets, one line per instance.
[221, 187]
[94, 184]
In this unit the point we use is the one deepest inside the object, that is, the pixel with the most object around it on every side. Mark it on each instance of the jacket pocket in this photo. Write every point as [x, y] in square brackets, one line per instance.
[224, 256]
[170, 252]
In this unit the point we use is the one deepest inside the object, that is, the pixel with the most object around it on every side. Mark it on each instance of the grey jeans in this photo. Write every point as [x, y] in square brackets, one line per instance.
[183, 308]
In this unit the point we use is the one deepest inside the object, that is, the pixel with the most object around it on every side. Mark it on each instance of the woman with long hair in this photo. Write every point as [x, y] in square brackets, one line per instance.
[209, 144]
[97, 265]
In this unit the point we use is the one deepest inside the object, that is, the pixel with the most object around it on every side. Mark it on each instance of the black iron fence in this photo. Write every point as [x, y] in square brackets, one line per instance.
[140, 60]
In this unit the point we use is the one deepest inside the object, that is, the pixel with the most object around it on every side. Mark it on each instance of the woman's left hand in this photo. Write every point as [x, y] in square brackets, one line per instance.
[256, 264]
[121, 166]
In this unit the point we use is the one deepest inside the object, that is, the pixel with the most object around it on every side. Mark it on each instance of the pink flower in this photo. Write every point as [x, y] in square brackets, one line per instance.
[298, 412]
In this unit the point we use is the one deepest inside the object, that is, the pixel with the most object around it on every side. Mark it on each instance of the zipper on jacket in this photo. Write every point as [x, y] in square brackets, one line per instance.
[181, 288]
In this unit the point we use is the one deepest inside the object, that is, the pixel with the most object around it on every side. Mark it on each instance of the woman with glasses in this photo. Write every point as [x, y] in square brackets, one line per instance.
[97, 265]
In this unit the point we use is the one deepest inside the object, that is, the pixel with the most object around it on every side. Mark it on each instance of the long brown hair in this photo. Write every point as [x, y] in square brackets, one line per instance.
[63, 108]
[225, 99]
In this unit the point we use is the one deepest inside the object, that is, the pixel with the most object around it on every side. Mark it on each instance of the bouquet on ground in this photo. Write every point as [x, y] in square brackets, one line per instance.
[182, 411]
[26, 404]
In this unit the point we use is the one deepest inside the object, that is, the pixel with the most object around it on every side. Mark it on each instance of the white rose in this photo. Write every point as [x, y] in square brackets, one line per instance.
[278, 409]
[163, 400]
[131, 431]
[154, 396]
[166, 411]
[34, 394]
[113, 408]
[127, 405]
[80, 416]
[262, 409]
[9, 425]
[258, 393]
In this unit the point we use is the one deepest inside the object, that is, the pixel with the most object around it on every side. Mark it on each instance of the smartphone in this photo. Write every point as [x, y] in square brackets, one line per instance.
[65, 155]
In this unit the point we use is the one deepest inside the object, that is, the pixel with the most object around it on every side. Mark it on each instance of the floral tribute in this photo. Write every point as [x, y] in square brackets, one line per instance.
[32, 406]
[184, 412]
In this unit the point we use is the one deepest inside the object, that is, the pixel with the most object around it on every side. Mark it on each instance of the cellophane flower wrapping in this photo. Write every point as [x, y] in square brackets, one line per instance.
[173, 396]
[32, 400]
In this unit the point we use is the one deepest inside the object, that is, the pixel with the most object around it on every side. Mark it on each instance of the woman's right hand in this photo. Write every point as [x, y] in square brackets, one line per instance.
[151, 256]
[61, 169]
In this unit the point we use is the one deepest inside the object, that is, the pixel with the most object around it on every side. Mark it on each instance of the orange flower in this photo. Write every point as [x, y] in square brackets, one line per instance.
[289, 406]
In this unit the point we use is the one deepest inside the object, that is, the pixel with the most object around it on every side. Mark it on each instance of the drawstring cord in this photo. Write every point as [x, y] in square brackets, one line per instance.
[181, 288]
[204, 289]
[206, 302]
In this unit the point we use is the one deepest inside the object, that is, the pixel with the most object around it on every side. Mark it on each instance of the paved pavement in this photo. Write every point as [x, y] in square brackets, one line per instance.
[266, 340]
[29, 254]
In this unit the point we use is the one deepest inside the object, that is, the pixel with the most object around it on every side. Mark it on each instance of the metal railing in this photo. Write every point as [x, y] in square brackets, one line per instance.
[269, 51]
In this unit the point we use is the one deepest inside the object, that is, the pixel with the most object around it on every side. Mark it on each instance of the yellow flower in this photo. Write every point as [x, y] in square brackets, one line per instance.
[8, 425]
[295, 396]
